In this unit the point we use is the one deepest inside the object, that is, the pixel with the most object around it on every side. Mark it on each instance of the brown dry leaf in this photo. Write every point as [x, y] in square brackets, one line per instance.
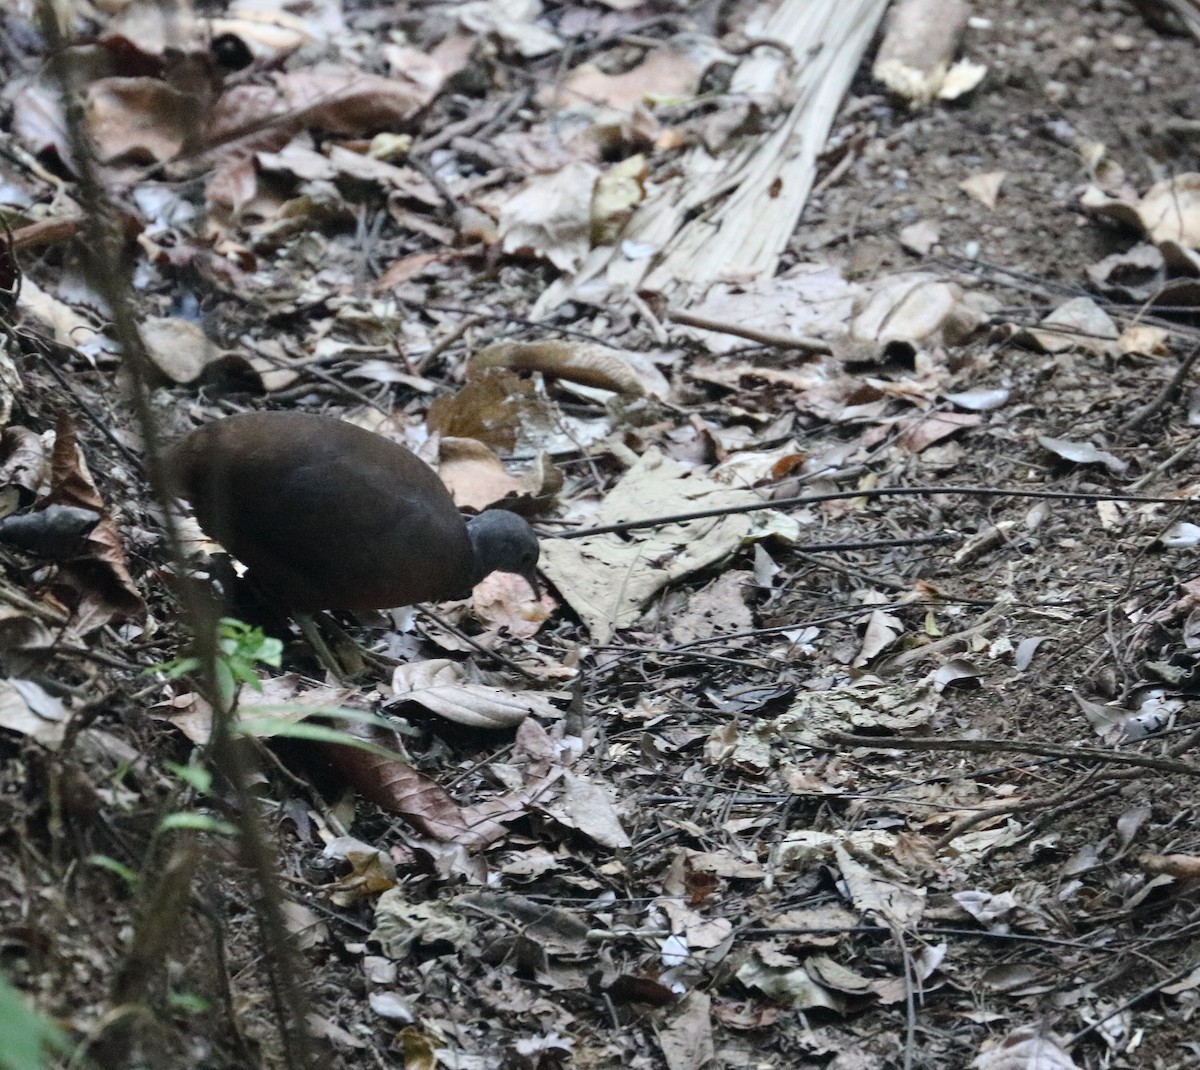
[24, 468]
[414, 266]
[439, 686]
[750, 468]
[102, 575]
[474, 475]
[335, 99]
[395, 786]
[550, 216]
[671, 71]
[153, 28]
[984, 187]
[140, 120]
[371, 871]
[345, 100]
[921, 432]
[300, 160]
[586, 363]
[489, 408]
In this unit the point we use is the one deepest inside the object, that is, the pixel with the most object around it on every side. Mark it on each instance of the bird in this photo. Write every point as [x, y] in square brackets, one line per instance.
[330, 516]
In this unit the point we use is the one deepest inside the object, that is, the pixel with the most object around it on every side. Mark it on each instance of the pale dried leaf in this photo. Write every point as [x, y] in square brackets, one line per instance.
[513, 21]
[671, 71]
[1082, 453]
[905, 308]
[179, 348]
[1024, 1050]
[438, 685]
[1079, 323]
[607, 579]
[28, 710]
[984, 187]
[1170, 210]
[617, 193]
[921, 432]
[140, 120]
[550, 216]
[686, 1039]
[503, 601]
[920, 237]
[980, 400]
[587, 808]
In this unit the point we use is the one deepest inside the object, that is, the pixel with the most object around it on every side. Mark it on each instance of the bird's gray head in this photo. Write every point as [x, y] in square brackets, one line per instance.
[503, 542]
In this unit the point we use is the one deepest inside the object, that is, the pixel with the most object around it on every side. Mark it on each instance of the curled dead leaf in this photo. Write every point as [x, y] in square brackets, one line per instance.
[586, 363]
[23, 468]
[101, 573]
[439, 686]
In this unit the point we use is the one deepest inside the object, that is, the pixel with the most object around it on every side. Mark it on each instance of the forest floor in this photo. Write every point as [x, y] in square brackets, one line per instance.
[932, 801]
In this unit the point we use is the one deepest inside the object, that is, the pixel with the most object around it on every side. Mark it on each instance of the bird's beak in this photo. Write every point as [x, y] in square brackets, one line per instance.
[530, 577]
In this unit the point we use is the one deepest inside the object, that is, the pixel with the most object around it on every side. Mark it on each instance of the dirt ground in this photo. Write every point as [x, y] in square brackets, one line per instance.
[1010, 861]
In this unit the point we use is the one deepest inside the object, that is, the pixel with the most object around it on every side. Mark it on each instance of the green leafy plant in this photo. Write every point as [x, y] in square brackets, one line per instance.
[240, 647]
[24, 1035]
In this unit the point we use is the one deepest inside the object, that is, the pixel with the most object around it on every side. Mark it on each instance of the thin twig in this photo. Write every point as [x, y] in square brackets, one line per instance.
[1164, 397]
[1011, 746]
[877, 492]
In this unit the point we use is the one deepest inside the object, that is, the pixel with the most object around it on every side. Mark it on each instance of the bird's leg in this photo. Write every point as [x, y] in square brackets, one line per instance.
[351, 659]
[346, 642]
[312, 634]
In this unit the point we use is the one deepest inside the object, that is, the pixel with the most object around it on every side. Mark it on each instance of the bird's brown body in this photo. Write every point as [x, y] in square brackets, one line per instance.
[330, 516]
